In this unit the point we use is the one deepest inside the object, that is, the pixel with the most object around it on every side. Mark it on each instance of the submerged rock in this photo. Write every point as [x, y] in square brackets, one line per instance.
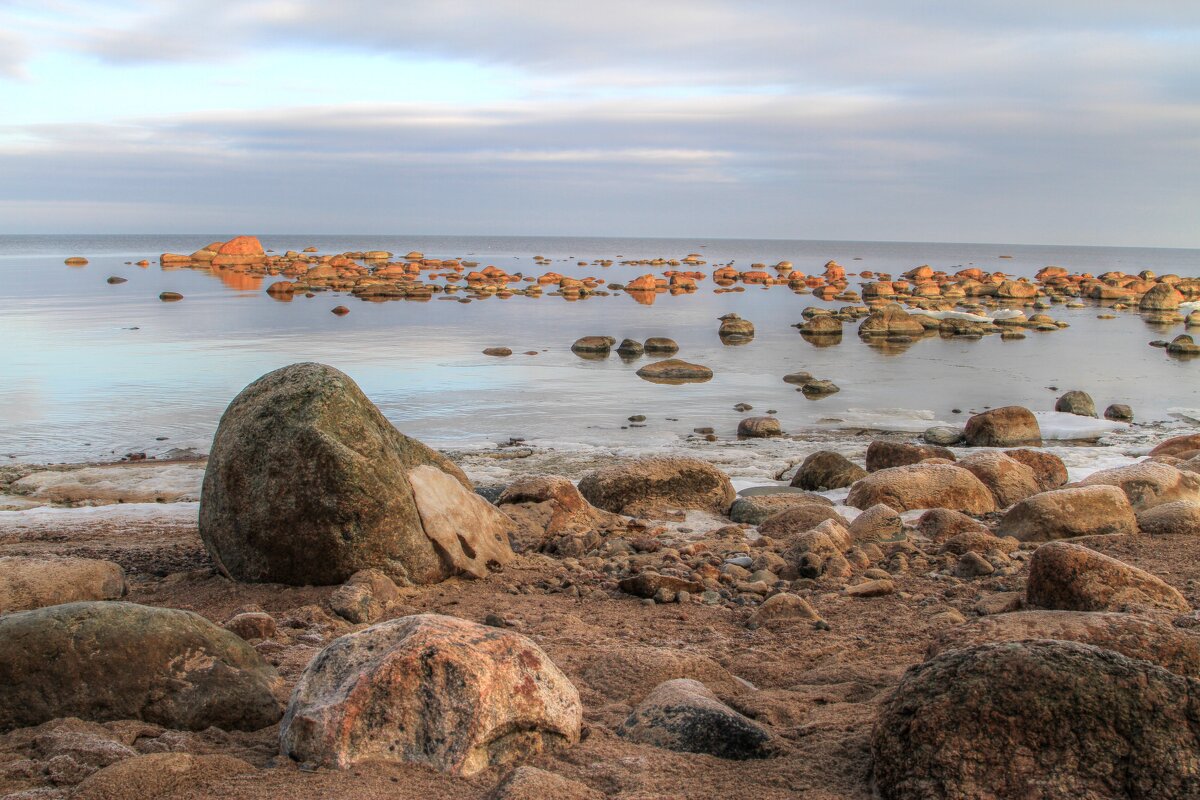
[674, 370]
[429, 689]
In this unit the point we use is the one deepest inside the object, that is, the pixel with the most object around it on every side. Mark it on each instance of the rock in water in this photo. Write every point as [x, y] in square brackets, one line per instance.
[1038, 719]
[307, 483]
[27, 583]
[1076, 402]
[685, 716]
[650, 484]
[110, 660]
[430, 689]
[1010, 426]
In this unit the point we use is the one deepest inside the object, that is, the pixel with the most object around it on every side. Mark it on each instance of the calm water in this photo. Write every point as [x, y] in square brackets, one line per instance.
[90, 370]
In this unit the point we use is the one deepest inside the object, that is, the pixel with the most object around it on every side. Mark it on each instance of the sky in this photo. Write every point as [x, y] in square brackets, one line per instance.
[1013, 121]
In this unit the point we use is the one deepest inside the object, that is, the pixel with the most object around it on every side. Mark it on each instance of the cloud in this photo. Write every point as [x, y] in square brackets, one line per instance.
[13, 53]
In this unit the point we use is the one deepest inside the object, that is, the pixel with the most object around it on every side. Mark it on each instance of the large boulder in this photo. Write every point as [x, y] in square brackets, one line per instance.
[1040, 720]
[1071, 577]
[1008, 479]
[434, 690]
[1010, 426]
[307, 483]
[882, 454]
[1149, 483]
[754, 509]
[1048, 469]
[1179, 517]
[1130, 635]
[759, 427]
[546, 506]
[1161, 297]
[654, 484]
[1178, 446]
[923, 486]
[890, 320]
[33, 582]
[240, 251]
[156, 775]
[1067, 513]
[684, 715]
[112, 660]
[825, 470]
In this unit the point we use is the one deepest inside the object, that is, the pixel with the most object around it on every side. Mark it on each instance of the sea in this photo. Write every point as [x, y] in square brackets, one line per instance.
[93, 371]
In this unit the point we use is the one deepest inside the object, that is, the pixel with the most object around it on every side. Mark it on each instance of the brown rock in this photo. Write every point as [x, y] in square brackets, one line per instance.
[468, 531]
[497, 351]
[782, 607]
[434, 690]
[923, 486]
[1177, 445]
[883, 454]
[1067, 513]
[239, 251]
[980, 542]
[33, 582]
[1010, 426]
[825, 470]
[875, 588]
[364, 597]
[252, 625]
[890, 320]
[1128, 634]
[674, 370]
[1071, 577]
[111, 660]
[1179, 517]
[649, 484]
[759, 427]
[531, 783]
[1038, 719]
[684, 715]
[146, 777]
[940, 524]
[798, 519]
[755, 509]
[1009, 480]
[878, 523]
[650, 584]
[1048, 469]
[1149, 483]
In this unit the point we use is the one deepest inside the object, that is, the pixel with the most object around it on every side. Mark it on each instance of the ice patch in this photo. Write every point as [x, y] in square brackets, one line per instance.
[52, 517]
[115, 483]
[884, 420]
[1061, 426]
[1189, 414]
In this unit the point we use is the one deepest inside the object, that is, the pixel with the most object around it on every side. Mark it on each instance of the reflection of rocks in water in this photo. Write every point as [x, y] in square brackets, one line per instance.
[822, 340]
[645, 298]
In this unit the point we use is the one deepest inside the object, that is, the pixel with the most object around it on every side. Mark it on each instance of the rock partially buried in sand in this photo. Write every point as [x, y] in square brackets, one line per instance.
[307, 483]
[1010, 426]
[1071, 577]
[675, 371]
[110, 660]
[651, 484]
[429, 689]
[1180, 517]
[684, 715]
[1038, 719]
[31, 582]
[1066, 513]
[531, 783]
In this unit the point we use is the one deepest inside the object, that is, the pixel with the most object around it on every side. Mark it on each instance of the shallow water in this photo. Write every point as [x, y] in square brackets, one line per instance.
[93, 370]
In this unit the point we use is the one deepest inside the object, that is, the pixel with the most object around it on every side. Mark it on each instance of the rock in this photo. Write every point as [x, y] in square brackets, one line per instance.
[1183, 345]
[469, 532]
[972, 565]
[239, 251]
[170, 297]
[545, 506]
[1009, 480]
[999, 603]
[430, 689]
[340, 311]
[942, 435]
[798, 519]
[307, 483]
[1180, 517]
[685, 716]
[878, 523]
[1130, 635]
[651, 584]
[660, 344]
[759, 427]
[1071, 577]
[735, 329]
[823, 326]
[883, 454]
[1067, 513]
[782, 607]
[1161, 297]
[819, 388]
[825, 470]
[941, 524]
[753, 510]
[1037, 719]
[674, 370]
[593, 344]
[1076, 402]
[643, 485]
[155, 775]
[497, 351]
[890, 320]
[630, 348]
[923, 486]
[116, 280]
[798, 378]
[874, 588]
[76, 261]
[1149, 483]
[252, 625]
[980, 542]
[1048, 469]
[112, 660]
[531, 783]
[1010, 426]
[365, 597]
[1178, 446]
[34, 582]
[1119, 412]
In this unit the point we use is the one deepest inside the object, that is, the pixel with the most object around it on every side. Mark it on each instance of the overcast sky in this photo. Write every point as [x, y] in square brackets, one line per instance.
[1015, 121]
